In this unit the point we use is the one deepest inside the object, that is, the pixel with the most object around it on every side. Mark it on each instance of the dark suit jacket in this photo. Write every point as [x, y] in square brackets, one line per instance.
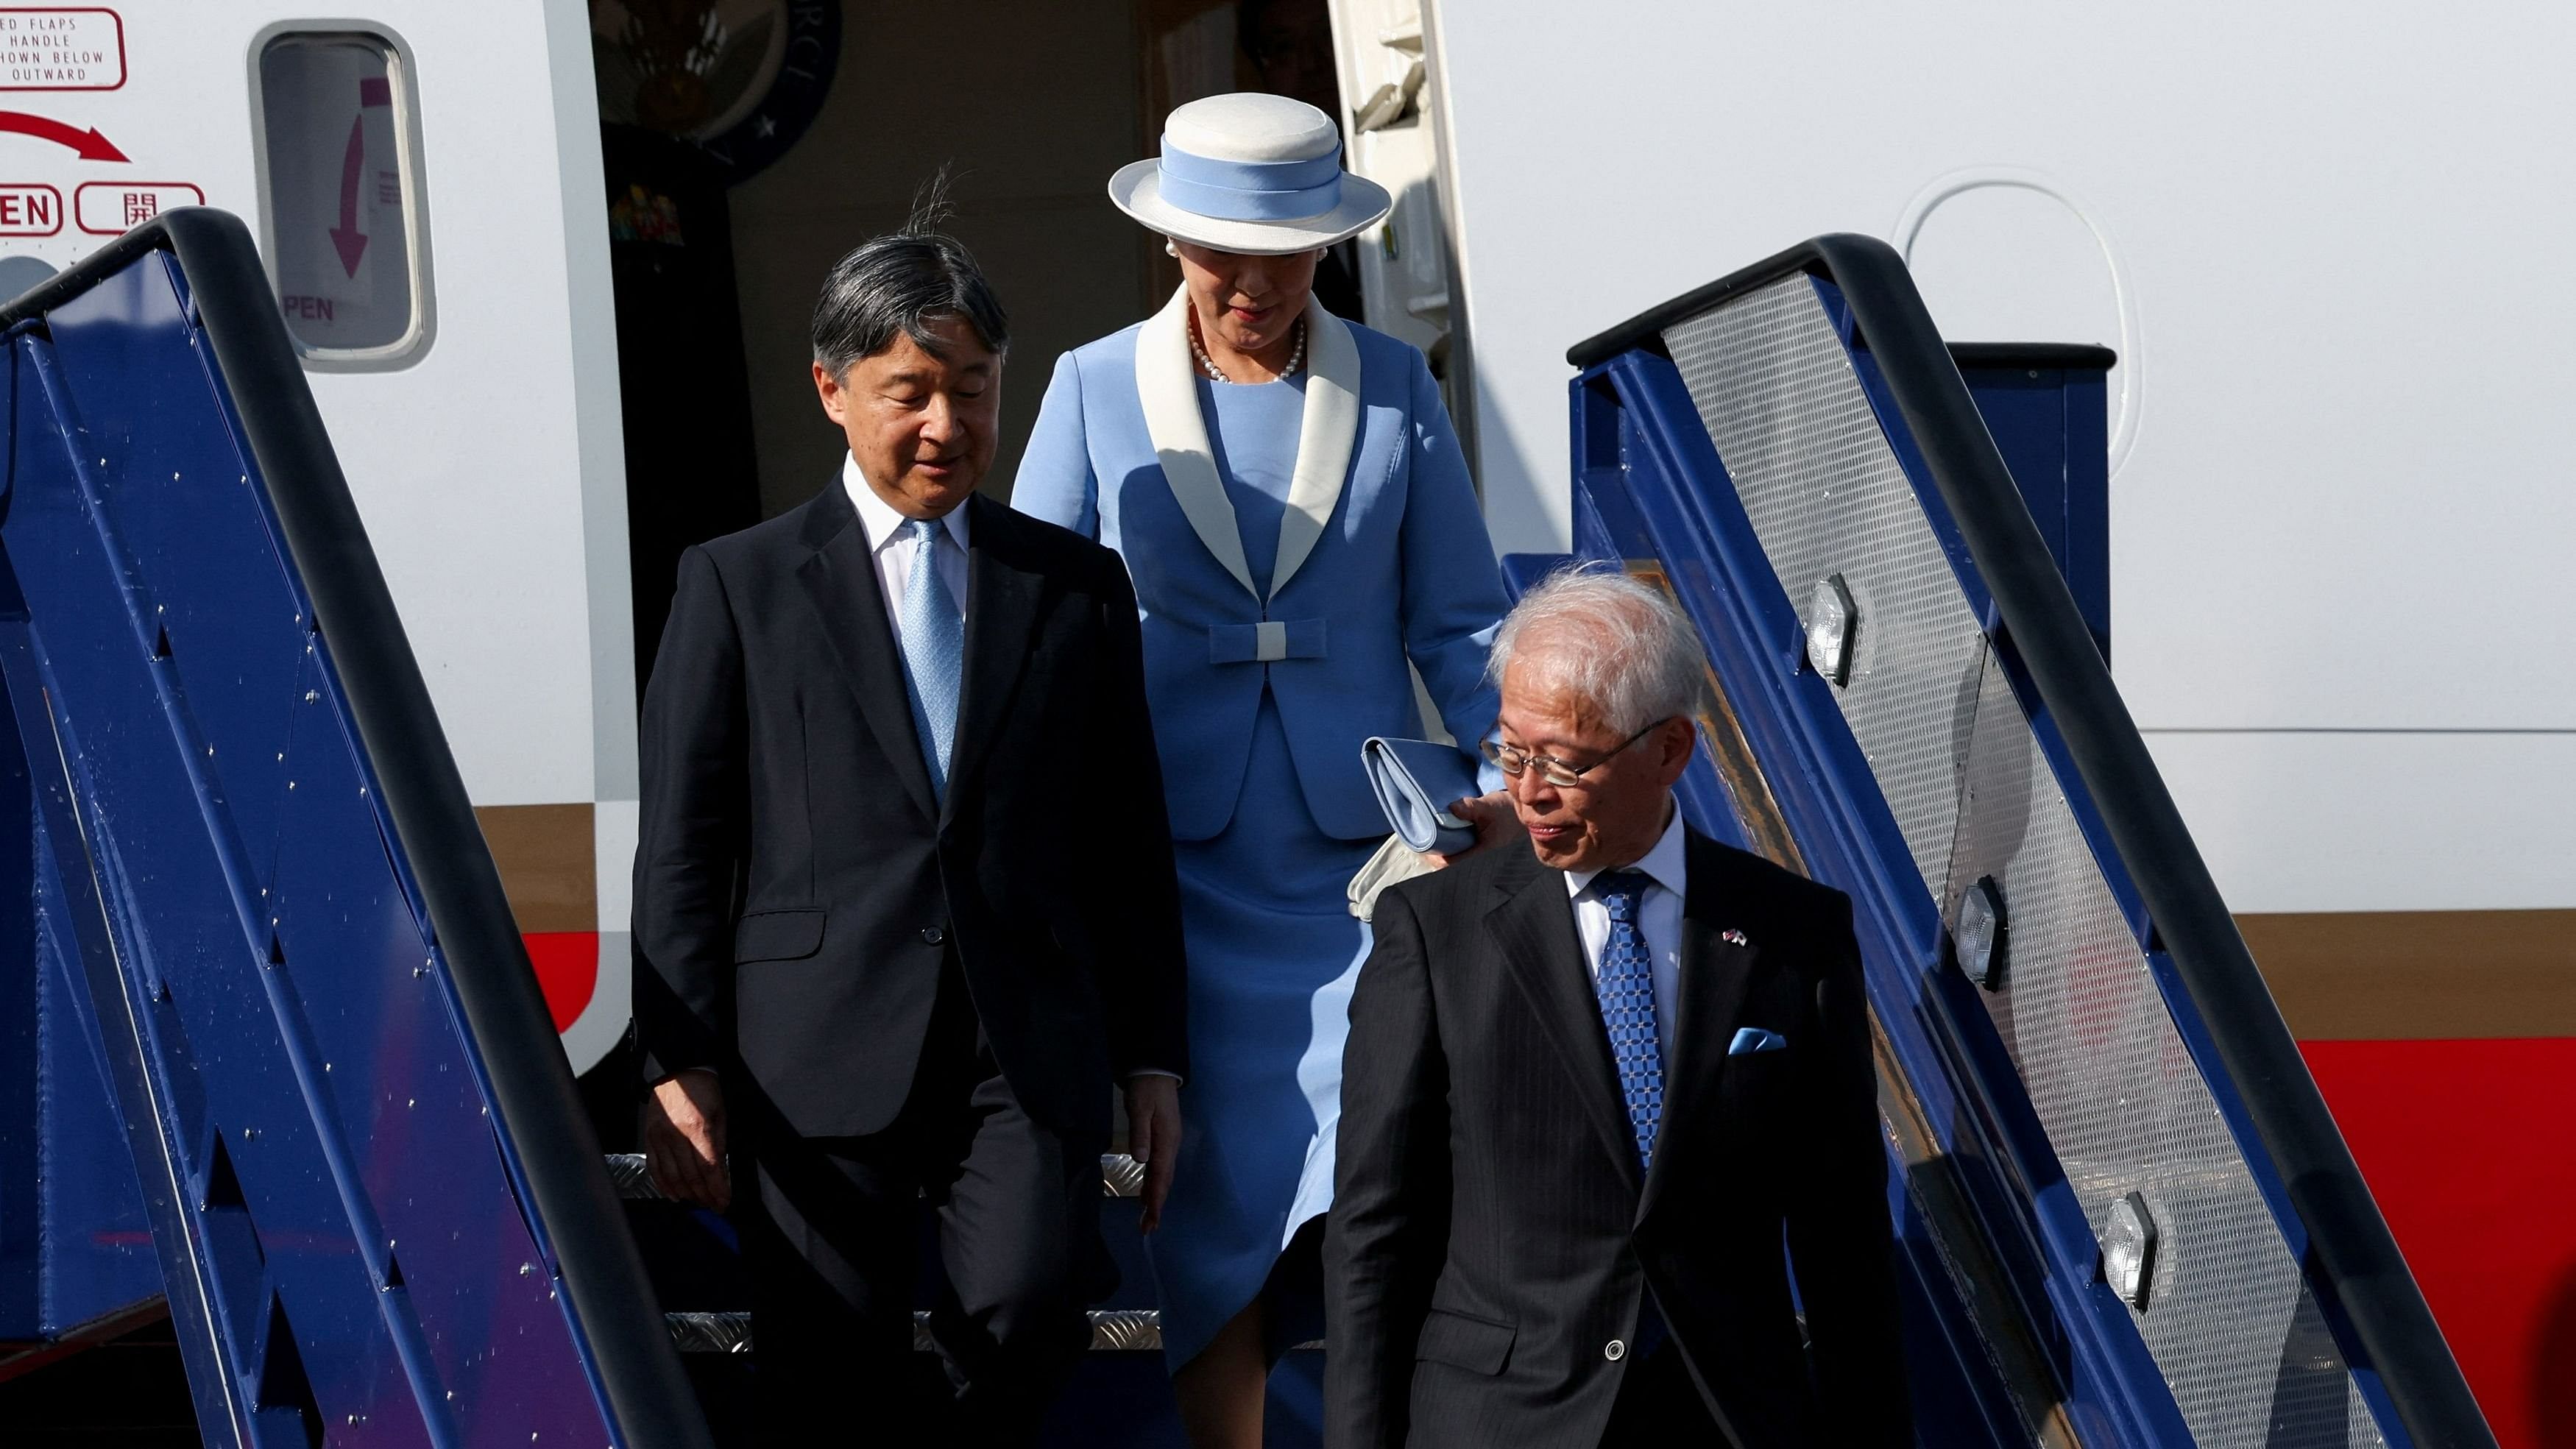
[1490, 1234]
[796, 887]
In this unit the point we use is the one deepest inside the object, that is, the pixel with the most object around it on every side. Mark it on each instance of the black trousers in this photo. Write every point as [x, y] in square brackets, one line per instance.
[1660, 1406]
[833, 1243]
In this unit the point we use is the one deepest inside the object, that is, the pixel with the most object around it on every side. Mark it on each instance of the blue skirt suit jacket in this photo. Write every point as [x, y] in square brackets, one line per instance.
[1400, 567]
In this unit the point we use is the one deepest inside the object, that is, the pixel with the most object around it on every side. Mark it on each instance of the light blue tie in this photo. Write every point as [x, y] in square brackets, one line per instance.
[1626, 988]
[934, 651]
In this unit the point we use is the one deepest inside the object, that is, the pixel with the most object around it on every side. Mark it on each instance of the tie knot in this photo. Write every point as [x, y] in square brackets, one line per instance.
[1620, 890]
[921, 530]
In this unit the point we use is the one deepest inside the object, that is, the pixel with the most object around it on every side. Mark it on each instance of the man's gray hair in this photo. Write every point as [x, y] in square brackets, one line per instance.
[896, 286]
[1621, 647]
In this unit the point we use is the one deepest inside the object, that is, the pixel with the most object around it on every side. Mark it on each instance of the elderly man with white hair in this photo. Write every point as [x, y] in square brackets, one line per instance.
[1592, 1085]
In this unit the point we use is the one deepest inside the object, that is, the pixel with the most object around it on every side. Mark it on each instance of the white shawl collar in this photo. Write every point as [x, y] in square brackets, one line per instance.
[1167, 386]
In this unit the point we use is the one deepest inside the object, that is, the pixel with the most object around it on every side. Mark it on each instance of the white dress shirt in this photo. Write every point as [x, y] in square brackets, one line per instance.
[1659, 920]
[893, 552]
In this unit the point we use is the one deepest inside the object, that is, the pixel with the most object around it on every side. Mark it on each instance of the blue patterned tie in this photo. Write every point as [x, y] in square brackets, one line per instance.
[934, 651]
[1626, 987]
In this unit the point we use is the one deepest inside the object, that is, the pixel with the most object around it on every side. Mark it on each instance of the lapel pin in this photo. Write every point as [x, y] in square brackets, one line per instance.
[1733, 938]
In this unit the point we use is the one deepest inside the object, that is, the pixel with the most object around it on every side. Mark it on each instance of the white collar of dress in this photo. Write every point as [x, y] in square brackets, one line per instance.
[1167, 386]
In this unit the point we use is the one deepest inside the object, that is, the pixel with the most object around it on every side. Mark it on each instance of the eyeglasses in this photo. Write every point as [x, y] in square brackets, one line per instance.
[1512, 760]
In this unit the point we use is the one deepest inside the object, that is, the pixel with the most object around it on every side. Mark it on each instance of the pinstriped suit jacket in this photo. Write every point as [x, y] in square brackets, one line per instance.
[1491, 1233]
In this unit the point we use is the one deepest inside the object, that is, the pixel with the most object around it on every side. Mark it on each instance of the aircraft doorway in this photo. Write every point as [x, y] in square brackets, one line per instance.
[720, 234]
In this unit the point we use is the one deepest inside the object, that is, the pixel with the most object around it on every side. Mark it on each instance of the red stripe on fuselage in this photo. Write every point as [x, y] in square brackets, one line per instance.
[2470, 1148]
[567, 964]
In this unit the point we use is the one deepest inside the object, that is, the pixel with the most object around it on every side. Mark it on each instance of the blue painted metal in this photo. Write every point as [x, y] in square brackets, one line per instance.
[262, 955]
[75, 1248]
[2051, 424]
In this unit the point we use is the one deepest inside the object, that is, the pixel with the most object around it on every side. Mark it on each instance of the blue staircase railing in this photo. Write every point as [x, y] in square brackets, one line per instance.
[271, 951]
[2129, 1218]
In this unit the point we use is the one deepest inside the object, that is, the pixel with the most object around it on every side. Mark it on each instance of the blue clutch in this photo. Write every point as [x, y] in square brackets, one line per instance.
[1416, 781]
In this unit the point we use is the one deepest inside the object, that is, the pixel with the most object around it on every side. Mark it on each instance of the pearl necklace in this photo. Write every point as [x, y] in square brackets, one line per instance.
[1296, 359]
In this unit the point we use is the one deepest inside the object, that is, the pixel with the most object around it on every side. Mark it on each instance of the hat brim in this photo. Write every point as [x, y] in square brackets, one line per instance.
[1137, 191]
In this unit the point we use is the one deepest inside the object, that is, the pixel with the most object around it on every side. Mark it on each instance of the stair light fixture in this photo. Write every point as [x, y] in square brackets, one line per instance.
[1833, 627]
[2129, 1251]
[1983, 934]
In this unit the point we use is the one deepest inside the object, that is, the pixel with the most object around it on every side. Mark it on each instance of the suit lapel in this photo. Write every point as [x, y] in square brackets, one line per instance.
[840, 579]
[1001, 608]
[1716, 976]
[1167, 388]
[1533, 925]
[1326, 433]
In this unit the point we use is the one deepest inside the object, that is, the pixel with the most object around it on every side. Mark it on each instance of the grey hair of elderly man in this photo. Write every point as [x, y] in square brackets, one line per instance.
[1602, 680]
[1619, 645]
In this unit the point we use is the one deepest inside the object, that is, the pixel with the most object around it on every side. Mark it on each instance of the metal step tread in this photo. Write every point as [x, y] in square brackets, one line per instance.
[1120, 1176]
[1113, 1330]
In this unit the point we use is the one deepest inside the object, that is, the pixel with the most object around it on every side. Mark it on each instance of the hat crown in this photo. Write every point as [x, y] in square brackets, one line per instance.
[1253, 174]
[1248, 126]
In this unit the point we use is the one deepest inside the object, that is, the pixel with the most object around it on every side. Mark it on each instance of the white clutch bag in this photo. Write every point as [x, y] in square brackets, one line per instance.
[1393, 862]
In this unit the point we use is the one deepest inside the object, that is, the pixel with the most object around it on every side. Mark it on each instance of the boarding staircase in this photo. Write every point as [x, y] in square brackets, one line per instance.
[728, 1330]
[271, 1053]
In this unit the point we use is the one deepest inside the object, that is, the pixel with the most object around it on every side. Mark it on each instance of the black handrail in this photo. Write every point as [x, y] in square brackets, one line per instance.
[532, 1086]
[2352, 1256]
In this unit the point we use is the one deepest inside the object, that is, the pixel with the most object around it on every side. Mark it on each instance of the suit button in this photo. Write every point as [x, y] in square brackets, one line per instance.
[932, 935]
[1614, 1350]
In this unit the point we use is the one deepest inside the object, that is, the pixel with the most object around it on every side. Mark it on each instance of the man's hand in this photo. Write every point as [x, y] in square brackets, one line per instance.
[1154, 1136]
[1494, 819]
[684, 1139]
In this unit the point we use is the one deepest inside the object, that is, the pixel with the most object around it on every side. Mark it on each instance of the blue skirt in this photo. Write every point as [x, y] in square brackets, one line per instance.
[1273, 953]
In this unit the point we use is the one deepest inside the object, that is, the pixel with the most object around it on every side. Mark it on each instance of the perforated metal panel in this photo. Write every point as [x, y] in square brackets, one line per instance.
[2230, 1321]
[1825, 493]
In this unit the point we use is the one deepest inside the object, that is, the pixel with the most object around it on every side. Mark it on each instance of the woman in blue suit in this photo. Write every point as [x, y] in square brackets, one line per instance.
[1289, 497]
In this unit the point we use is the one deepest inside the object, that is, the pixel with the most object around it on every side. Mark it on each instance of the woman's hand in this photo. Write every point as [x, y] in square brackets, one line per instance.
[1494, 819]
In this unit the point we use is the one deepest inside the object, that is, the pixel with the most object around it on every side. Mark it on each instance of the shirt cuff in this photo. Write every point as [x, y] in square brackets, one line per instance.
[1152, 1072]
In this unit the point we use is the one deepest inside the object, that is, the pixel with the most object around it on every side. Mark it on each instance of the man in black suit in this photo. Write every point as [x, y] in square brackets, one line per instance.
[906, 890]
[1591, 1085]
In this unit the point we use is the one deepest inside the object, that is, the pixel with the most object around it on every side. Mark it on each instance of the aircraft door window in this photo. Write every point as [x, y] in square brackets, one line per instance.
[341, 196]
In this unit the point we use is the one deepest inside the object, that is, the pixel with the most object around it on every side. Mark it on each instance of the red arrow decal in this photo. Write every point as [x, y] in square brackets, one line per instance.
[353, 163]
[90, 145]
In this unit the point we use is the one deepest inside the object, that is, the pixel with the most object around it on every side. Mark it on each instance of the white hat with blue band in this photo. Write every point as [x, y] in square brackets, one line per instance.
[1255, 174]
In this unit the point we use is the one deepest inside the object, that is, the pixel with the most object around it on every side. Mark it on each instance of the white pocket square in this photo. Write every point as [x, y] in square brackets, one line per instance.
[1752, 1039]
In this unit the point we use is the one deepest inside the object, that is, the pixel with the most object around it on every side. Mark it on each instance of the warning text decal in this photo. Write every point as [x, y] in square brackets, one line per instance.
[105, 208]
[30, 210]
[55, 49]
